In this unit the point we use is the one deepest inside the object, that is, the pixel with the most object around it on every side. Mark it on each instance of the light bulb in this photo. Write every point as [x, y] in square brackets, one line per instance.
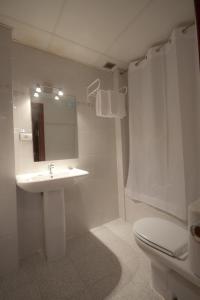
[38, 89]
[56, 97]
[36, 95]
[60, 93]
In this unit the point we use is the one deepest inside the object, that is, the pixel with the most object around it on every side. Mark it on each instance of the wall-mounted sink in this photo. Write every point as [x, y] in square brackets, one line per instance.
[44, 182]
[52, 185]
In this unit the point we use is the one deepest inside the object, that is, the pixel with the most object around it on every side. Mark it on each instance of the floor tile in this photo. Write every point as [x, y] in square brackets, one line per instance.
[122, 250]
[58, 280]
[143, 274]
[105, 288]
[25, 292]
[13, 281]
[104, 263]
[83, 295]
[97, 265]
[81, 246]
[111, 285]
[3, 295]
[123, 230]
[135, 292]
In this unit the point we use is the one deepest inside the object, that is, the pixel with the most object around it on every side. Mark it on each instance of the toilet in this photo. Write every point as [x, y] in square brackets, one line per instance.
[166, 244]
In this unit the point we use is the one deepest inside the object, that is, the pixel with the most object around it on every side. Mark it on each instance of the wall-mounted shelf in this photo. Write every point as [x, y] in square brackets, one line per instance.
[94, 87]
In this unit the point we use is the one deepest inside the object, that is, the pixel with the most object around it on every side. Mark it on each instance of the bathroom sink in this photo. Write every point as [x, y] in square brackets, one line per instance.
[44, 182]
[52, 185]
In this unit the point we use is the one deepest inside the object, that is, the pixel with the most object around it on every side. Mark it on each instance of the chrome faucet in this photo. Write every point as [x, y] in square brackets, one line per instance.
[50, 167]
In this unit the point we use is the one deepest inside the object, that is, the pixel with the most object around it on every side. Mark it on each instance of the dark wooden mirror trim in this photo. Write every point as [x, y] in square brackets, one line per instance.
[197, 13]
[38, 132]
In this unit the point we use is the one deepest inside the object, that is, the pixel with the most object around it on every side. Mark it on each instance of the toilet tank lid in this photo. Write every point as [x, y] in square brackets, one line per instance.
[162, 233]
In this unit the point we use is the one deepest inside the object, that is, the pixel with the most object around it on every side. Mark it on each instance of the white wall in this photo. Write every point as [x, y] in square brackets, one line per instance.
[189, 98]
[119, 154]
[8, 214]
[90, 201]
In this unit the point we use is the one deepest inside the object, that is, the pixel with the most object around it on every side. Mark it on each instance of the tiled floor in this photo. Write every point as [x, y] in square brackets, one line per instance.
[105, 263]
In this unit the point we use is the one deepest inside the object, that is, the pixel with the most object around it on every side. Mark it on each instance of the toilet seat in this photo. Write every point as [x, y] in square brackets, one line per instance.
[162, 235]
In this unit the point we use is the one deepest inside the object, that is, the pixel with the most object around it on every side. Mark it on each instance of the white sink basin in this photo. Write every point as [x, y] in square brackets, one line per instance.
[52, 187]
[44, 182]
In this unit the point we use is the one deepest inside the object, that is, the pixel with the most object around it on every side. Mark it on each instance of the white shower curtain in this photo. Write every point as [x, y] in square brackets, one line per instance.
[156, 163]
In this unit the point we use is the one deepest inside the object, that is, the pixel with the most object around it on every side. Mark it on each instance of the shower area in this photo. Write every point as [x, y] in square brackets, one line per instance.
[163, 124]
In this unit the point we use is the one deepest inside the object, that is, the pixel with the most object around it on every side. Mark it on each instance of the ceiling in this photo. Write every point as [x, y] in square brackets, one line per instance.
[94, 31]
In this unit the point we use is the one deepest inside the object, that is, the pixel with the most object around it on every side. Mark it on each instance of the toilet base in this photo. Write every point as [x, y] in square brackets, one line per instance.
[171, 285]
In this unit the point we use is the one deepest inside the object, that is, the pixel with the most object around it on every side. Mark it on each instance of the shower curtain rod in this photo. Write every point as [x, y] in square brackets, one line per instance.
[159, 46]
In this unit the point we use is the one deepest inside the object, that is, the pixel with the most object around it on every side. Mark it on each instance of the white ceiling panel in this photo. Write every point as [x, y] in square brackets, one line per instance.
[94, 31]
[71, 50]
[39, 13]
[27, 35]
[153, 25]
[96, 23]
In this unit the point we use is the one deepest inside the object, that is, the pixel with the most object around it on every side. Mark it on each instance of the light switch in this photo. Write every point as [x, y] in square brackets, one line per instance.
[25, 136]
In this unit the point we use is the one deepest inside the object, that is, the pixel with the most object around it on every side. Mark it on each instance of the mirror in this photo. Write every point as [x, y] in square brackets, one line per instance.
[54, 127]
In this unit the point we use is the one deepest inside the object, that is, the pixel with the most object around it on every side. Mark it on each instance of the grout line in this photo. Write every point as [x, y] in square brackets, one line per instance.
[56, 22]
[23, 23]
[129, 24]
[58, 36]
[87, 48]
[59, 15]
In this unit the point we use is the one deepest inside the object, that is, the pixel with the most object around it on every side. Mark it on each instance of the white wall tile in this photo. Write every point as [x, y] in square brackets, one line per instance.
[6, 133]
[89, 201]
[8, 218]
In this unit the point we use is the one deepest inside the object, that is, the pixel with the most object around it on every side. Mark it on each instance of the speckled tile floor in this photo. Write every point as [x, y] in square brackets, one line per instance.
[105, 263]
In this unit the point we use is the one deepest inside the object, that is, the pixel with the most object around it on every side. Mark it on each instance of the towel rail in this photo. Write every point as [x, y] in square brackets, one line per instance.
[94, 87]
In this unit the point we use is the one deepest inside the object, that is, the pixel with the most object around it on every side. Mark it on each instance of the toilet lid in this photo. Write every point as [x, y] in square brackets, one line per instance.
[162, 235]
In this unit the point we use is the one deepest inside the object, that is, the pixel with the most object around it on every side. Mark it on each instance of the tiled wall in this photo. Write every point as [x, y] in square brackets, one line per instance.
[90, 201]
[8, 222]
